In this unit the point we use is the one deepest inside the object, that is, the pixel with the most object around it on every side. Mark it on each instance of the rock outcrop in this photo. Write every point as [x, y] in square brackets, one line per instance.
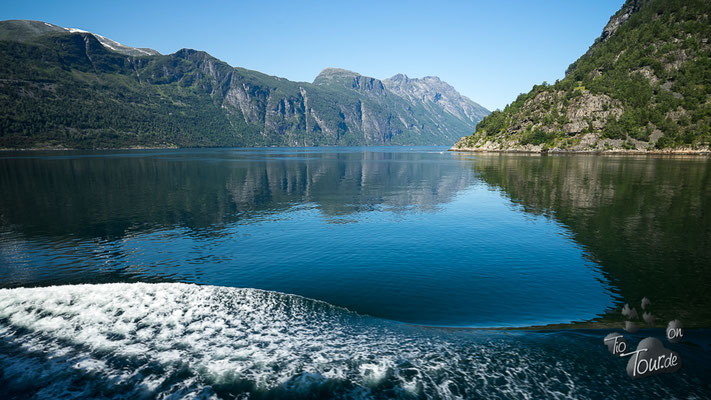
[436, 95]
[643, 86]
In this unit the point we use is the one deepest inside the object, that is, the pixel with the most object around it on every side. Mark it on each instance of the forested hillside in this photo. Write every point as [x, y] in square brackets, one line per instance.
[644, 85]
[65, 88]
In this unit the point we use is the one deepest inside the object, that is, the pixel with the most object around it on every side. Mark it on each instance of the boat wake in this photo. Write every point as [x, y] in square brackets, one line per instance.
[173, 340]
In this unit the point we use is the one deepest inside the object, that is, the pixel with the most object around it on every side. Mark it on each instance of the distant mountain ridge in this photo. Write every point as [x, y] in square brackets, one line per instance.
[67, 88]
[435, 102]
[435, 94]
[26, 30]
[434, 91]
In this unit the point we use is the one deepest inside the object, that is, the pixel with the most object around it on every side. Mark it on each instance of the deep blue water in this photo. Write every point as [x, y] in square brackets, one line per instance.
[377, 241]
[408, 235]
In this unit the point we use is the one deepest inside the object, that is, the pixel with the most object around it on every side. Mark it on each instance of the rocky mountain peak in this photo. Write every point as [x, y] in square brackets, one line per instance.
[329, 75]
[434, 79]
[399, 78]
[431, 89]
[349, 79]
[25, 30]
[630, 7]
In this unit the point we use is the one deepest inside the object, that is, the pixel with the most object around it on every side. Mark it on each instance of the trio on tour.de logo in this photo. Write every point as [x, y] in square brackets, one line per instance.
[650, 357]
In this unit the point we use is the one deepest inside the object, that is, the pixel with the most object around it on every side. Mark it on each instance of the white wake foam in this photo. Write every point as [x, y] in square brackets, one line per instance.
[180, 340]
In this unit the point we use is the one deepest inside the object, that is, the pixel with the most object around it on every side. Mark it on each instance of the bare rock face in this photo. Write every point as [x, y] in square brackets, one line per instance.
[435, 93]
[630, 7]
[400, 106]
[590, 111]
[350, 80]
[341, 107]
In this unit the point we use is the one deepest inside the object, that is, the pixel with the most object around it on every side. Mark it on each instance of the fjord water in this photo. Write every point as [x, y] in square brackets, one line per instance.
[414, 235]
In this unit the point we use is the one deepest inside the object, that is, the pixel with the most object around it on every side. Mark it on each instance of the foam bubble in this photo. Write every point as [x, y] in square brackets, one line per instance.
[170, 339]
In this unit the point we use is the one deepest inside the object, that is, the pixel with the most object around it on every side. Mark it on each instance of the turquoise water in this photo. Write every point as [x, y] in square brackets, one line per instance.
[307, 273]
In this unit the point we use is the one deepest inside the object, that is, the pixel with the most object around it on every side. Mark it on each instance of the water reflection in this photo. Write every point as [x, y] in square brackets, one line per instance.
[110, 196]
[646, 220]
[410, 235]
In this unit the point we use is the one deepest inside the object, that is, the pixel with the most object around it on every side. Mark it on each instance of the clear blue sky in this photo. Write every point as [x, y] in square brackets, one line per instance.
[488, 50]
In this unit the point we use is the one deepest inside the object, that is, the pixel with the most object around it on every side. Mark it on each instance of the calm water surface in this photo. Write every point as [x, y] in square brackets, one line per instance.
[417, 235]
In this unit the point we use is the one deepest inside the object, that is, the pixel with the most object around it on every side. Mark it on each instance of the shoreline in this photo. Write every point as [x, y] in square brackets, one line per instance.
[60, 149]
[571, 326]
[680, 152]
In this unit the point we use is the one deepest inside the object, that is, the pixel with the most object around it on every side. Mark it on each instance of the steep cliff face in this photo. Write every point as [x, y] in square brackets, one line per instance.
[68, 88]
[436, 95]
[343, 78]
[630, 7]
[414, 107]
[643, 86]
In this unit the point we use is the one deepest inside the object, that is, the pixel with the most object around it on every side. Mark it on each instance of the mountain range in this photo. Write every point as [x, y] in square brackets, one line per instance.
[68, 88]
[643, 86]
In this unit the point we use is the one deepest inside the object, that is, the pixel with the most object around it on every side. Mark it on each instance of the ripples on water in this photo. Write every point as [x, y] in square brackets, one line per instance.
[179, 340]
[411, 235]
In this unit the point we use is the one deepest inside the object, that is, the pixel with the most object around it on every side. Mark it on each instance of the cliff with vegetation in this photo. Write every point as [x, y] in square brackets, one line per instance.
[67, 88]
[643, 86]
